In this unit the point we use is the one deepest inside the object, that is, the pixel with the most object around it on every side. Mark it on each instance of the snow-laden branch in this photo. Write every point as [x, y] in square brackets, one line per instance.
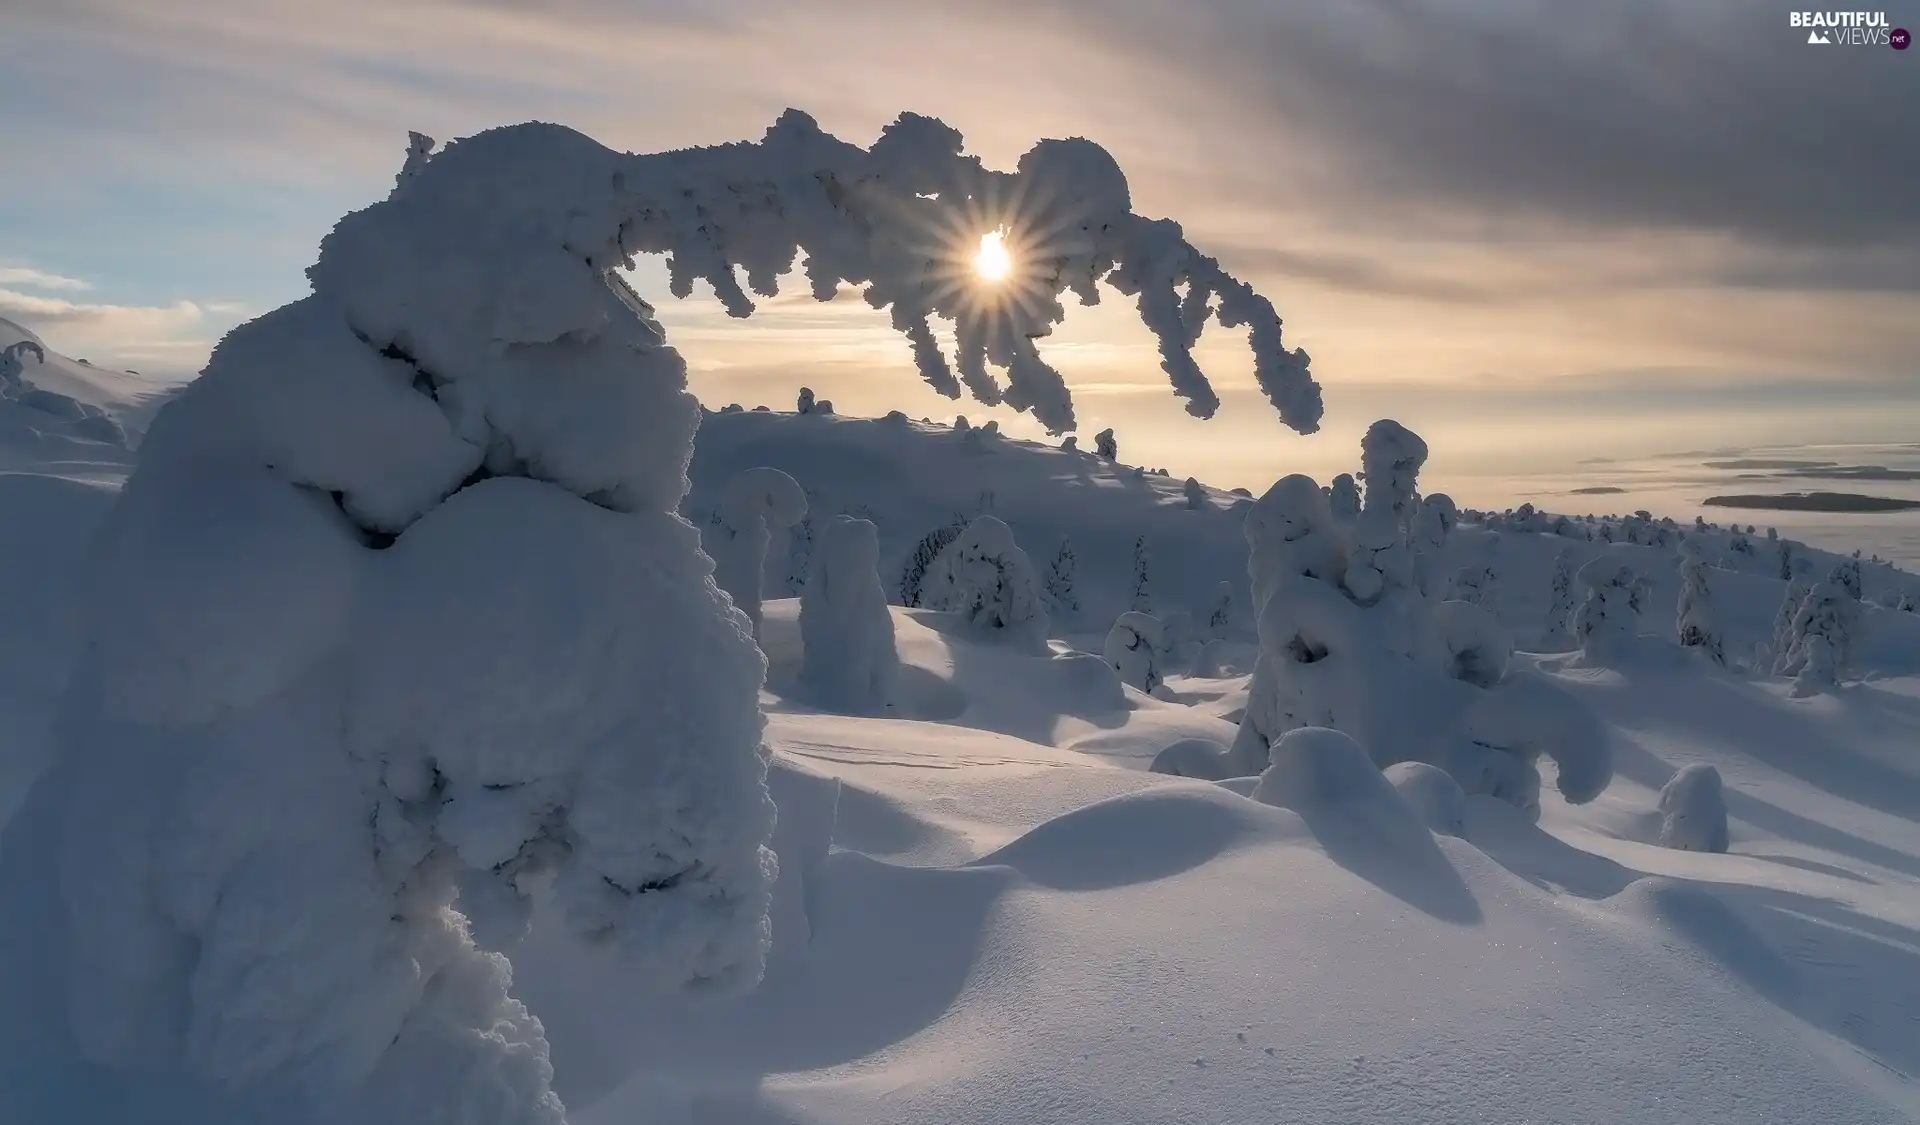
[902, 219]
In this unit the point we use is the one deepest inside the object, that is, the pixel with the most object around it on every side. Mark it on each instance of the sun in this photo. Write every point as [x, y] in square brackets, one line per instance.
[993, 263]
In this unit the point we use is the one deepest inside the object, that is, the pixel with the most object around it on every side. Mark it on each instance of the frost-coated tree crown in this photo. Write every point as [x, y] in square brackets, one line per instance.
[846, 630]
[986, 578]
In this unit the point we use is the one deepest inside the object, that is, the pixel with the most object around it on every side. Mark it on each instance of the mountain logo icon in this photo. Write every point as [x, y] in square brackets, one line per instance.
[1818, 37]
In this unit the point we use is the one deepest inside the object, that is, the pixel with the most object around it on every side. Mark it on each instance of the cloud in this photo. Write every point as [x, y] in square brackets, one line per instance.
[39, 279]
[160, 339]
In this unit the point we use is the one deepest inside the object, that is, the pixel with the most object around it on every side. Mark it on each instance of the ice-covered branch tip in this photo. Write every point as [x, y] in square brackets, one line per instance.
[483, 233]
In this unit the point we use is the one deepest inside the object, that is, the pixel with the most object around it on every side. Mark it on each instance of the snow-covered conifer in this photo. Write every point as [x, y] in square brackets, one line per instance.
[805, 402]
[1343, 498]
[1693, 810]
[1822, 636]
[1475, 584]
[1196, 495]
[800, 547]
[1391, 456]
[756, 503]
[824, 406]
[1560, 605]
[1848, 577]
[846, 630]
[913, 577]
[1142, 584]
[1607, 620]
[1220, 614]
[1070, 444]
[1105, 446]
[1134, 648]
[961, 426]
[1696, 622]
[985, 577]
[1433, 524]
[1059, 582]
[1773, 651]
[403, 567]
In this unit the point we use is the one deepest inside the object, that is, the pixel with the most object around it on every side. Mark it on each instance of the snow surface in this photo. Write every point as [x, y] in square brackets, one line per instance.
[988, 909]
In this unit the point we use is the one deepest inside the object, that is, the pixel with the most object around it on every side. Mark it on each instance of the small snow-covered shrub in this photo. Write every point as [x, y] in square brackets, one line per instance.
[1105, 446]
[1070, 444]
[824, 406]
[1693, 810]
[1697, 624]
[985, 577]
[756, 503]
[845, 629]
[1435, 797]
[1196, 495]
[961, 426]
[805, 403]
[1134, 649]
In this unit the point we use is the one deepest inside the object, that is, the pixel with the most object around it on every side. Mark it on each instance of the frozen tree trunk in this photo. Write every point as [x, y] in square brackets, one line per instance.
[846, 630]
[537, 679]
[1693, 811]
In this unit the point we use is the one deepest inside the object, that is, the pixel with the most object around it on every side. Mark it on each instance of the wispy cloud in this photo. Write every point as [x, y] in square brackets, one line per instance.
[170, 339]
[40, 279]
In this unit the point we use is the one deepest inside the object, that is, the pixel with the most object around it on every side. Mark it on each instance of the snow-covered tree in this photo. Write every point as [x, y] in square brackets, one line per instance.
[1696, 622]
[1391, 456]
[1134, 648]
[1848, 577]
[800, 548]
[1476, 584]
[805, 402]
[403, 567]
[846, 631]
[1908, 604]
[1142, 588]
[986, 578]
[1560, 605]
[1105, 446]
[755, 504]
[913, 577]
[1822, 637]
[1347, 642]
[1059, 582]
[1608, 618]
[1343, 498]
[1220, 614]
[13, 362]
[1433, 524]
[1775, 648]
[961, 426]
[1196, 495]
[1070, 444]
[1693, 810]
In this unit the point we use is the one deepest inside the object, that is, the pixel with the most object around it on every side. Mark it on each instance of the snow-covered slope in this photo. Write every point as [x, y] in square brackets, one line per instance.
[989, 912]
[55, 422]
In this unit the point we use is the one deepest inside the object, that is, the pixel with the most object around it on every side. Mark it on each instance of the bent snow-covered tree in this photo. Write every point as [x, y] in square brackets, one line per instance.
[1133, 649]
[403, 567]
[756, 503]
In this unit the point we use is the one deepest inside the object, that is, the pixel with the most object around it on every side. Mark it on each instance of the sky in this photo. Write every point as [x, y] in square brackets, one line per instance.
[1533, 232]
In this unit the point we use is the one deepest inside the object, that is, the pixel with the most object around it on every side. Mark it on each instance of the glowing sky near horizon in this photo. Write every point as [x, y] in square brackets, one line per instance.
[1532, 239]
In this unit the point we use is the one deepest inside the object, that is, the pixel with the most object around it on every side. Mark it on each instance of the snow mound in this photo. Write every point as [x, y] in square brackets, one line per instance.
[1433, 794]
[1693, 810]
[1316, 768]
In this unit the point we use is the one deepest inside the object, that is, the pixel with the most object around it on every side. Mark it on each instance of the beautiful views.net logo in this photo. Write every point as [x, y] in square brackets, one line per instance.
[1851, 29]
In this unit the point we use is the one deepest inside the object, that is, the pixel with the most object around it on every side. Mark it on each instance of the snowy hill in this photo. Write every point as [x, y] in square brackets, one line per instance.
[70, 416]
[1003, 918]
